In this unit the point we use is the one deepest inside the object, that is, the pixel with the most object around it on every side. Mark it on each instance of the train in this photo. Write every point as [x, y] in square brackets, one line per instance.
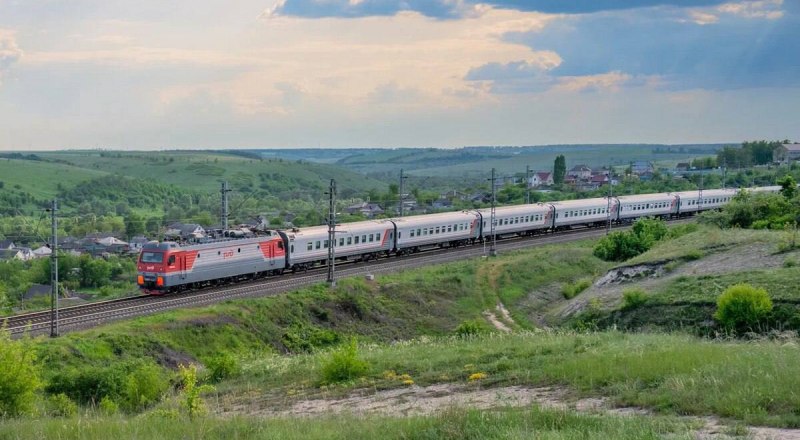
[168, 266]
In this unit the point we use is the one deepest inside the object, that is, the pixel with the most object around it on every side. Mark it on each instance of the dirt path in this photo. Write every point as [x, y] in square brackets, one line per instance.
[504, 322]
[415, 400]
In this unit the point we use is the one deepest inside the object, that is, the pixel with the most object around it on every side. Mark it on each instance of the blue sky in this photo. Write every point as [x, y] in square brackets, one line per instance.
[394, 73]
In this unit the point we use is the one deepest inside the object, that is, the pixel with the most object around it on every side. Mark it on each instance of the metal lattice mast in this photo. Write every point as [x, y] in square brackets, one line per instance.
[402, 188]
[54, 271]
[528, 184]
[610, 195]
[224, 191]
[332, 233]
[492, 248]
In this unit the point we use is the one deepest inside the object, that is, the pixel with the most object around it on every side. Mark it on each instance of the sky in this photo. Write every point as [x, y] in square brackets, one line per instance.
[152, 74]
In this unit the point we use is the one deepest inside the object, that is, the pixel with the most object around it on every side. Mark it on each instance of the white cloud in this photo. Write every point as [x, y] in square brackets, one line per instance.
[611, 81]
[766, 9]
[700, 17]
[10, 52]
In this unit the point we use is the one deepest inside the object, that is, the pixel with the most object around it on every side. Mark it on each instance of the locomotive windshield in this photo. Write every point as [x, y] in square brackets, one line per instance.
[152, 257]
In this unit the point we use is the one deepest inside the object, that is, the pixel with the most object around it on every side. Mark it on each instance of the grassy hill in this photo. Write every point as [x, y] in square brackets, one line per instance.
[490, 333]
[203, 171]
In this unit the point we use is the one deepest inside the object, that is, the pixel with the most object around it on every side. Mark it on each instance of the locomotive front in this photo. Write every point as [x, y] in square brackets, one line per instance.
[152, 267]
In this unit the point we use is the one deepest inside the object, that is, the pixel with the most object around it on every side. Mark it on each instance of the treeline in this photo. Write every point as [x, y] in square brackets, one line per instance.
[761, 210]
[749, 154]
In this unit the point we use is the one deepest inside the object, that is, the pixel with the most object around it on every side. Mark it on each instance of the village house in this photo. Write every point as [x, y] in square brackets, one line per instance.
[540, 179]
[368, 210]
[580, 172]
[189, 231]
[786, 153]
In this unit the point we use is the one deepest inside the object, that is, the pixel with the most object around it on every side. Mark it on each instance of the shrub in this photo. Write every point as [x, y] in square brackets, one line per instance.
[469, 329]
[60, 405]
[742, 308]
[134, 385]
[107, 406]
[692, 255]
[144, 387]
[344, 365]
[19, 375]
[789, 262]
[572, 290]
[192, 402]
[633, 298]
[222, 366]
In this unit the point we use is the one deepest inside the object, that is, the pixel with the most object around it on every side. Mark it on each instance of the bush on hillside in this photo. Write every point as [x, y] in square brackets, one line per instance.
[222, 366]
[19, 375]
[344, 365]
[620, 246]
[470, 328]
[60, 405]
[633, 298]
[134, 385]
[571, 290]
[742, 308]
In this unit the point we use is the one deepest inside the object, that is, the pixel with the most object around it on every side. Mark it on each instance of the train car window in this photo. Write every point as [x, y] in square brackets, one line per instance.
[198, 256]
[292, 248]
[371, 237]
[357, 237]
[325, 244]
[437, 229]
[363, 238]
[341, 242]
[280, 245]
[378, 236]
[310, 245]
[418, 234]
[349, 241]
[317, 244]
[412, 233]
[171, 260]
[219, 253]
[449, 228]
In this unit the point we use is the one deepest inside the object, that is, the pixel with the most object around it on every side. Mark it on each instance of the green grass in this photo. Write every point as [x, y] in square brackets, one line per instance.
[676, 374]
[42, 179]
[456, 424]
[203, 170]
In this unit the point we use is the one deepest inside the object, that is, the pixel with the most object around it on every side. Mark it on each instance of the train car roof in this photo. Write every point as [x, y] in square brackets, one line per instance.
[580, 203]
[764, 189]
[708, 192]
[518, 209]
[342, 228]
[442, 217]
[646, 197]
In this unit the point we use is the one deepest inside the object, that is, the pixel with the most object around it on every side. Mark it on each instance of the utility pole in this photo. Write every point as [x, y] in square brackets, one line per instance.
[724, 170]
[492, 248]
[54, 271]
[331, 233]
[224, 191]
[610, 195]
[402, 188]
[528, 184]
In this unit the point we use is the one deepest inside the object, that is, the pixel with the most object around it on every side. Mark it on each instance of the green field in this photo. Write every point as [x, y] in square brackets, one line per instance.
[43, 180]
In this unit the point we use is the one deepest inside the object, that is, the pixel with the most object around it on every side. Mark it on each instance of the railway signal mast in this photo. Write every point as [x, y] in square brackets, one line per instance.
[610, 195]
[528, 184]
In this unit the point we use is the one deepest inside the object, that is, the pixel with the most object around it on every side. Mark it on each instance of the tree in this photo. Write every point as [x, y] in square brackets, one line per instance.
[788, 186]
[19, 375]
[134, 225]
[559, 169]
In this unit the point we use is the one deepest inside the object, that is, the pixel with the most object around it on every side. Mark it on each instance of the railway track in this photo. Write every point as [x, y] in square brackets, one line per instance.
[91, 314]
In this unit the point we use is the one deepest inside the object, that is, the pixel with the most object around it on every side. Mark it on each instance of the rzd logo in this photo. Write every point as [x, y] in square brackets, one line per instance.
[227, 254]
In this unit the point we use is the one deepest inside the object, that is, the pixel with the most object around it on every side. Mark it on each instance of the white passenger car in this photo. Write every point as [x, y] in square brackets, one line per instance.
[694, 201]
[586, 211]
[358, 240]
[444, 229]
[518, 219]
[647, 205]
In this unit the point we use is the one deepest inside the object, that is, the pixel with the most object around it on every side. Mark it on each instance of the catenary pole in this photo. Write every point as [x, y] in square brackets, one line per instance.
[332, 233]
[54, 271]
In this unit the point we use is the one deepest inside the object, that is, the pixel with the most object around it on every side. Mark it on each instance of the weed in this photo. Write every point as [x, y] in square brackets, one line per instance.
[633, 298]
[743, 307]
[572, 290]
[344, 365]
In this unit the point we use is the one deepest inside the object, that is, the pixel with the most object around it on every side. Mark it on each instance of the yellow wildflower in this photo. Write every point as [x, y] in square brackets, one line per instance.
[477, 376]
